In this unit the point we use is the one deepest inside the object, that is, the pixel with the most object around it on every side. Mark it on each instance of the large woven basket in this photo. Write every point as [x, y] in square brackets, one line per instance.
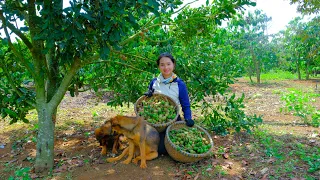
[138, 106]
[183, 156]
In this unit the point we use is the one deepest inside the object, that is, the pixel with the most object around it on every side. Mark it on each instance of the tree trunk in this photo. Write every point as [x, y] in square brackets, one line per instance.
[307, 69]
[298, 69]
[256, 65]
[45, 140]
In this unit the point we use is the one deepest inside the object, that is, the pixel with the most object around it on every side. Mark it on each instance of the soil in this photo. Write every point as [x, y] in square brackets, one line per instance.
[77, 152]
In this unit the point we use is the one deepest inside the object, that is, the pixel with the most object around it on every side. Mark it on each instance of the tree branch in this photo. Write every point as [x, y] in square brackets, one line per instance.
[58, 96]
[124, 64]
[136, 56]
[16, 31]
[15, 52]
[184, 6]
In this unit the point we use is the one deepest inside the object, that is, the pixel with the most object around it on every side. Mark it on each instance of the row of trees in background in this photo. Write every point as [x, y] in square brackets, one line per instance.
[295, 49]
[113, 45]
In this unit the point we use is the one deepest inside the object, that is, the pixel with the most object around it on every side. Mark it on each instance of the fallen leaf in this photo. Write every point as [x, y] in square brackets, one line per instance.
[226, 155]
[179, 173]
[158, 173]
[62, 168]
[34, 176]
[264, 170]
[209, 169]
[110, 171]
[244, 162]
[214, 163]
[312, 141]
[187, 176]
[4, 155]
[228, 165]
[264, 177]
[196, 177]
[271, 160]
[12, 161]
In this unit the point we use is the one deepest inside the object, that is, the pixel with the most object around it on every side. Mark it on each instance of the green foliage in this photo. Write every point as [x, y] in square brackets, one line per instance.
[300, 103]
[299, 43]
[299, 153]
[22, 173]
[16, 100]
[14, 105]
[272, 147]
[312, 159]
[306, 6]
[228, 116]
[249, 37]
[277, 75]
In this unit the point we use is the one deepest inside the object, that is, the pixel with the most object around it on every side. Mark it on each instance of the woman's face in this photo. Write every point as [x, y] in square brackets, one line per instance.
[166, 67]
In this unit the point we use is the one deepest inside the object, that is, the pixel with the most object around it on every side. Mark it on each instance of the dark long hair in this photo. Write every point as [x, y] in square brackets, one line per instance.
[168, 55]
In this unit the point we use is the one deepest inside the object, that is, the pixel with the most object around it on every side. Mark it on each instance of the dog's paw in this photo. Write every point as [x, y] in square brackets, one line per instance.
[143, 165]
[103, 153]
[135, 161]
[110, 160]
[126, 161]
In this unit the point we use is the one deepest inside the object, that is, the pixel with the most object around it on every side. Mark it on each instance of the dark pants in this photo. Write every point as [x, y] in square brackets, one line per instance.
[161, 147]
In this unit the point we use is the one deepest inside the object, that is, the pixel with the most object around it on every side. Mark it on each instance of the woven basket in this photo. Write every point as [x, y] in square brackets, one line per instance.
[138, 106]
[183, 156]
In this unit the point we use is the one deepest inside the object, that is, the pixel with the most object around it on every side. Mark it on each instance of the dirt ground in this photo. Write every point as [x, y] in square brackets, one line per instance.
[77, 153]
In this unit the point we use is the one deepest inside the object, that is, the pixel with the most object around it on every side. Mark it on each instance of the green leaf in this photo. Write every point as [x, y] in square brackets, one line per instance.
[10, 112]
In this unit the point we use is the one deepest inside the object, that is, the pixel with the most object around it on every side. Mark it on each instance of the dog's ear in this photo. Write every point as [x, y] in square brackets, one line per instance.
[116, 120]
[98, 134]
[97, 131]
[107, 129]
[116, 128]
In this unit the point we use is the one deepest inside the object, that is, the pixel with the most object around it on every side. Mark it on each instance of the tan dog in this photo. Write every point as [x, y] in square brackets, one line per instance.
[104, 134]
[143, 139]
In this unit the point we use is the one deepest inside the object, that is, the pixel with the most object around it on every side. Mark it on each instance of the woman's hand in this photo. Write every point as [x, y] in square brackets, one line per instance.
[149, 93]
[189, 122]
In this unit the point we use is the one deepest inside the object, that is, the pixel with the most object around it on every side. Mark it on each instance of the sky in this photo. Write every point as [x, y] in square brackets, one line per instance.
[280, 11]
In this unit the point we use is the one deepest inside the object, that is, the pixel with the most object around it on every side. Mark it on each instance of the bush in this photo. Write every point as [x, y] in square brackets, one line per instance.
[229, 116]
[300, 104]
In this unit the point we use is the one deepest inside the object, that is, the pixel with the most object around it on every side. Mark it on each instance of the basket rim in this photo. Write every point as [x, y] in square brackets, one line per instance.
[184, 152]
[177, 107]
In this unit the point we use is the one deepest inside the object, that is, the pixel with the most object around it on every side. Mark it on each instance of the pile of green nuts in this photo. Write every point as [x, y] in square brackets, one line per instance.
[190, 140]
[157, 111]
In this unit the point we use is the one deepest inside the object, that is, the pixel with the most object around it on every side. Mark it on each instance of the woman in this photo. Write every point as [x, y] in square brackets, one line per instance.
[169, 84]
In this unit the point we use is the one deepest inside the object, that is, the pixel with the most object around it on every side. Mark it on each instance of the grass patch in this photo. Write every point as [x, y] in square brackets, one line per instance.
[277, 75]
[287, 156]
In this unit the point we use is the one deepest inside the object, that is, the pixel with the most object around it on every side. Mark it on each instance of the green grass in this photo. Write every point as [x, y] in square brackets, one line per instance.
[276, 75]
[289, 152]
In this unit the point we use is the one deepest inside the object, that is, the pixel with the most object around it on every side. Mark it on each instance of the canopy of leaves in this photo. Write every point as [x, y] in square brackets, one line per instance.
[307, 6]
